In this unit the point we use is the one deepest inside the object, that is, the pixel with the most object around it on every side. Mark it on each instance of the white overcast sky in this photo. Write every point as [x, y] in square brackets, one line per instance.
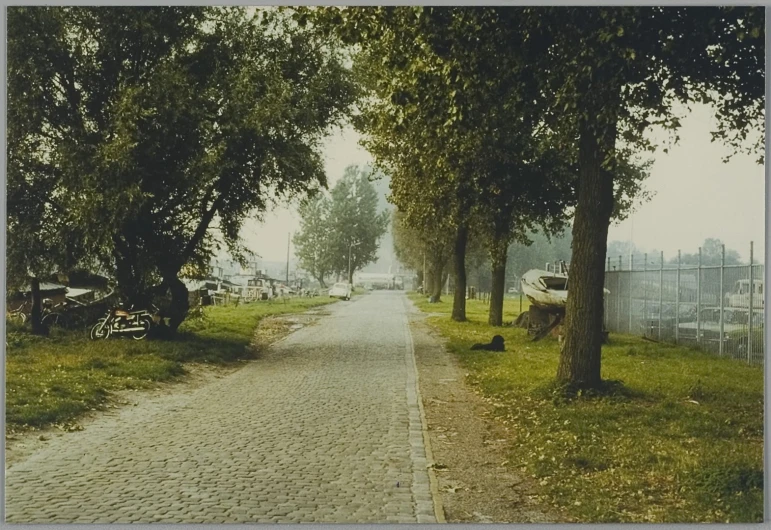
[696, 196]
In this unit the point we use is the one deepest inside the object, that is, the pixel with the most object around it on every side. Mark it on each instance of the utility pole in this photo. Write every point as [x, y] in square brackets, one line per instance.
[287, 257]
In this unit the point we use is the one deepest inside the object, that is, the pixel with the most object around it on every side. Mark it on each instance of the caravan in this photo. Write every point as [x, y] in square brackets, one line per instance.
[740, 296]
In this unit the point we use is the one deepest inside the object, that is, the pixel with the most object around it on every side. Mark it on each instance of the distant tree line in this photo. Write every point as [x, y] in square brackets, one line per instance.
[711, 255]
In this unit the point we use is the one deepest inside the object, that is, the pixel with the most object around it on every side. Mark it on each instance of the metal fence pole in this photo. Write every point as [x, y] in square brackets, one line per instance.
[752, 295]
[645, 293]
[698, 301]
[661, 289]
[631, 279]
[618, 297]
[722, 278]
[677, 301]
[605, 300]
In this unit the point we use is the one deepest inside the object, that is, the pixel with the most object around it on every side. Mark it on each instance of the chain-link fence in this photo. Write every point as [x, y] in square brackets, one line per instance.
[717, 308]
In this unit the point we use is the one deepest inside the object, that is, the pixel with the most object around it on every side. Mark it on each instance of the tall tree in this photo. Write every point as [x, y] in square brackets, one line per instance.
[353, 225]
[312, 242]
[168, 126]
[341, 233]
[610, 73]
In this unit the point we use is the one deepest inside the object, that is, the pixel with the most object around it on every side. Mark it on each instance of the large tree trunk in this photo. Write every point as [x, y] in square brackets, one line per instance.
[132, 287]
[428, 286]
[580, 357]
[459, 261]
[321, 282]
[498, 260]
[180, 302]
[435, 277]
[37, 311]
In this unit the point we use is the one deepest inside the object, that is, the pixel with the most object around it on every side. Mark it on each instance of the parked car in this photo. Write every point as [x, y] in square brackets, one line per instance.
[341, 290]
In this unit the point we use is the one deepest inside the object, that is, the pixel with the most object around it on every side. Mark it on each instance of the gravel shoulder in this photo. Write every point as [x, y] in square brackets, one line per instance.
[476, 481]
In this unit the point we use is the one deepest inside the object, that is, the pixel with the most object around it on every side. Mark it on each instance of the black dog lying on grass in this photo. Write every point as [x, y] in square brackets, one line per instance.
[495, 345]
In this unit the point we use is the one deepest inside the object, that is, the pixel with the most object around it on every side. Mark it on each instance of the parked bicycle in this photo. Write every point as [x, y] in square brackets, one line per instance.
[17, 314]
[55, 316]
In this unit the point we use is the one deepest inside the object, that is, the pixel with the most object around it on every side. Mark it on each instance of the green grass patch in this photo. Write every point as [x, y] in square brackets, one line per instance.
[676, 435]
[53, 380]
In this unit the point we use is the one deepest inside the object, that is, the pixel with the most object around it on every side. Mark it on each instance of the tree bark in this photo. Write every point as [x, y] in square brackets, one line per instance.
[132, 279]
[180, 302]
[498, 260]
[580, 358]
[435, 277]
[37, 311]
[459, 261]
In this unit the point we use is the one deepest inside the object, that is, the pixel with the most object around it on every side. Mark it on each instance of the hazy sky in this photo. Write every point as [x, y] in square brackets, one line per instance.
[269, 239]
[696, 196]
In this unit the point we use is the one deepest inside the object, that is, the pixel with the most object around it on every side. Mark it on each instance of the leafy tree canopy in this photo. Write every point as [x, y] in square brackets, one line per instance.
[153, 132]
[342, 231]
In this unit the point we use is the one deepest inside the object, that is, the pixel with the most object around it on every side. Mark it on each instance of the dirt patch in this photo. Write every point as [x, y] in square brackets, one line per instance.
[475, 479]
[274, 328]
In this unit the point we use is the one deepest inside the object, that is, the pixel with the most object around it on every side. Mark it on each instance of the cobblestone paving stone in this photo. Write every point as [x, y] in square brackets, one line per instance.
[322, 428]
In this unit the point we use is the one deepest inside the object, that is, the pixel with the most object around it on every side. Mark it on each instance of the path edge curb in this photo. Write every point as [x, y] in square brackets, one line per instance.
[433, 482]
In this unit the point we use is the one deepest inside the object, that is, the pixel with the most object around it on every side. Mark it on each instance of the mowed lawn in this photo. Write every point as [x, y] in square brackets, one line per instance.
[53, 380]
[680, 439]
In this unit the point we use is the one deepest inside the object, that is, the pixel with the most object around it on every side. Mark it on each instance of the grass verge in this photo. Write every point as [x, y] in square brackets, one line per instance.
[678, 438]
[52, 380]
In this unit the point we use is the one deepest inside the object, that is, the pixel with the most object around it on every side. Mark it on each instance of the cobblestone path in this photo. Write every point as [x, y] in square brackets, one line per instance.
[325, 427]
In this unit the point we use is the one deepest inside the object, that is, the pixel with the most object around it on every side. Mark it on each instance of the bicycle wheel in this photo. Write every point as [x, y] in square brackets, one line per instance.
[13, 316]
[57, 320]
[51, 320]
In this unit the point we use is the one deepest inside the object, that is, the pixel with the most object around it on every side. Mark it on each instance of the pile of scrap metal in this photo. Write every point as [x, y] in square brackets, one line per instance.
[548, 295]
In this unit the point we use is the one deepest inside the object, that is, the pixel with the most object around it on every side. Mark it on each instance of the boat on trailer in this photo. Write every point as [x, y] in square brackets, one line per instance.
[548, 290]
[544, 289]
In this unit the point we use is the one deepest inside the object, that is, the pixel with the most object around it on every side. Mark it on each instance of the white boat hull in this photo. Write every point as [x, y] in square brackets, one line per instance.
[546, 290]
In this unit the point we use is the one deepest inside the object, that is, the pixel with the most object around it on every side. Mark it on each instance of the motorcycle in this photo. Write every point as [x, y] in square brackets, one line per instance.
[136, 323]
